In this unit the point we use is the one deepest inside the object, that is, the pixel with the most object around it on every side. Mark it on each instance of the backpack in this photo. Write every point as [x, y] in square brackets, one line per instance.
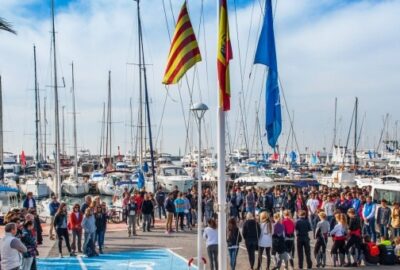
[387, 256]
[278, 244]
[373, 250]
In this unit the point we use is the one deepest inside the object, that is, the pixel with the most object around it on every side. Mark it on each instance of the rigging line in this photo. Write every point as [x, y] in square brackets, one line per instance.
[166, 20]
[361, 128]
[287, 111]
[162, 115]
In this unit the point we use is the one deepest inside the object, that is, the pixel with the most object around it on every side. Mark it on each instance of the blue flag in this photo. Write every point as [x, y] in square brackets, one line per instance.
[266, 55]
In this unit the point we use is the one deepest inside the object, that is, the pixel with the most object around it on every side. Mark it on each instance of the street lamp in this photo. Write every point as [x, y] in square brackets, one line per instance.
[199, 109]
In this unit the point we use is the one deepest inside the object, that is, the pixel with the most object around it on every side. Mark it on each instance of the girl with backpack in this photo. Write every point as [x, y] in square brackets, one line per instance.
[265, 240]
[289, 225]
[233, 239]
[278, 242]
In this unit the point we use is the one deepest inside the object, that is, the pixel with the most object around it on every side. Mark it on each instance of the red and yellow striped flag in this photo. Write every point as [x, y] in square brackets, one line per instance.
[184, 52]
[224, 56]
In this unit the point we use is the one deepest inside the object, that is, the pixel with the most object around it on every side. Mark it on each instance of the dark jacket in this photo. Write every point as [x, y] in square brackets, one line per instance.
[59, 219]
[131, 206]
[251, 231]
[26, 203]
[147, 207]
[160, 198]
[53, 207]
[234, 238]
[303, 227]
[84, 206]
[169, 205]
[30, 243]
[101, 221]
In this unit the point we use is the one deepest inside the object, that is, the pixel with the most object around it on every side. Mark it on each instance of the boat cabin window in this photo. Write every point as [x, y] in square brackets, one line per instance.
[174, 171]
[390, 195]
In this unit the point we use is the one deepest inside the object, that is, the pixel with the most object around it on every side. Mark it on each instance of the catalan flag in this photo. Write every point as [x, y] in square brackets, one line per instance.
[224, 56]
[184, 52]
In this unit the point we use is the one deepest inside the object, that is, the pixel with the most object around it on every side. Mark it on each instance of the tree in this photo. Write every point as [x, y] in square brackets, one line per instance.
[6, 26]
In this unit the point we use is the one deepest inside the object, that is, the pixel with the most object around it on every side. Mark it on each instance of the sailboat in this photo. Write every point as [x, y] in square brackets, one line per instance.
[74, 185]
[35, 184]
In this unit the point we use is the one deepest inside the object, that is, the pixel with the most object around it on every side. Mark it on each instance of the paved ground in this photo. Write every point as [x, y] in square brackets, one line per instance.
[182, 243]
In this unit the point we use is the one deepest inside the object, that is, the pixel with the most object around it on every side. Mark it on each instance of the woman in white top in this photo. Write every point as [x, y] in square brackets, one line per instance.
[211, 235]
[265, 239]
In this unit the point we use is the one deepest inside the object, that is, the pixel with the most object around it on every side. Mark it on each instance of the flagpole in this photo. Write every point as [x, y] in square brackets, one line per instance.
[222, 254]
[222, 248]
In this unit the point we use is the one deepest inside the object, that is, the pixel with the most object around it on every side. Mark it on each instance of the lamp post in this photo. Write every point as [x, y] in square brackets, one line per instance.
[199, 109]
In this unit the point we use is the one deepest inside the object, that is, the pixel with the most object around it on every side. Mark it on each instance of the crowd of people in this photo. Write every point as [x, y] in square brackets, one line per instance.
[278, 223]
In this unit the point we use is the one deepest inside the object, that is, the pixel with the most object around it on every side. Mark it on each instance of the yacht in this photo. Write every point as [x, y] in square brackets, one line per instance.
[74, 187]
[169, 176]
[37, 185]
[339, 178]
[8, 200]
[114, 183]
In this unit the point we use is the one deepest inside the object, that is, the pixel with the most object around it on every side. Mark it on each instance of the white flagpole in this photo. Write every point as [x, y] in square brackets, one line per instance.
[222, 246]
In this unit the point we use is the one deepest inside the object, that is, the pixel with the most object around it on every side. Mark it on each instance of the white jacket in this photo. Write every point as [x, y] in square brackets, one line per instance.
[265, 239]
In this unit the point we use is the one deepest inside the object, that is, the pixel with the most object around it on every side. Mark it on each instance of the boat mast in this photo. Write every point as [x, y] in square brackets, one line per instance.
[103, 122]
[131, 127]
[36, 113]
[45, 129]
[108, 128]
[1, 133]
[355, 133]
[142, 67]
[63, 130]
[74, 122]
[334, 128]
[56, 109]
[140, 87]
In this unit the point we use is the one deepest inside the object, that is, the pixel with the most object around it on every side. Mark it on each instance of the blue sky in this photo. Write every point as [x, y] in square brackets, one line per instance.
[326, 49]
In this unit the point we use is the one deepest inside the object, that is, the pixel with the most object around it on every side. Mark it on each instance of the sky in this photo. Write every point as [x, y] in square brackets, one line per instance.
[325, 49]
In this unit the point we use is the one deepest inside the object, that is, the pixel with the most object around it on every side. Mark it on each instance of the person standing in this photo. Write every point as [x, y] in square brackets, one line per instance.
[180, 211]
[53, 207]
[89, 228]
[211, 235]
[86, 204]
[60, 224]
[265, 240]
[395, 219]
[328, 206]
[383, 219]
[160, 198]
[312, 206]
[303, 228]
[30, 243]
[101, 224]
[278, 242]
[355, 239]
[208, 207]
[170, 208]
[289, 226]
[233, 240]
[339, 239]
[321, 234]
[29, 201]
[369, 218]
[251, 234]
[131, 216]
[75, 225]
[147, 209]
[11, 248]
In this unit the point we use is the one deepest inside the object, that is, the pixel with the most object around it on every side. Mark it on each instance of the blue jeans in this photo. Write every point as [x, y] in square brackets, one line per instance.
[233, 252]
[88, 236]
[208, 214]
[100, 238]
[161, 208]
[396, 232]
[188, 219]
[383, 230]
[370, 229]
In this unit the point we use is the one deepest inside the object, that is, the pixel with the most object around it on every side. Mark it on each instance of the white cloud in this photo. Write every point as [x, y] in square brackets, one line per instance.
[351, 50]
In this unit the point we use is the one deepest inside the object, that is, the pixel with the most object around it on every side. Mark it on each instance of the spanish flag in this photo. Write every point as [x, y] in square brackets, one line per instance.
[184, 52]
[224, 56]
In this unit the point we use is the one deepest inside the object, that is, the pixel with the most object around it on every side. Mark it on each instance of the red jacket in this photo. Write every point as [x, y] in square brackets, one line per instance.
[74, 222]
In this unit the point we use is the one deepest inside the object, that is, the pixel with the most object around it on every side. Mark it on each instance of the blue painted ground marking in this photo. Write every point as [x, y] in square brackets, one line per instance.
[153, 259]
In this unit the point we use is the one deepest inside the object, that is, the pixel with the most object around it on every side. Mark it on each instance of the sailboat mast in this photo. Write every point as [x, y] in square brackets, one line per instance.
[74, 122]
[146, 94]
[131, 126]
[45, 129]
[103, 122]
[108, 128]
[36, 112]
[1, 131]
[140, 87]
[355, 132]
[56, 109]
[63, 130]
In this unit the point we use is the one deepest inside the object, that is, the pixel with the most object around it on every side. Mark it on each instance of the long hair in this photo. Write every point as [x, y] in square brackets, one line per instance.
[232, 226]
[60, 209]
[212, 223]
